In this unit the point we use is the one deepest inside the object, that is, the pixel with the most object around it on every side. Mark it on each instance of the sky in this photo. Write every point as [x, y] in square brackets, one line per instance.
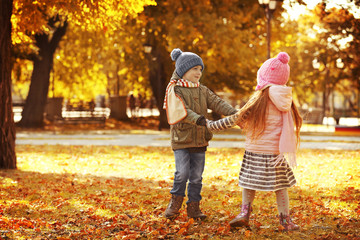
[294, 11]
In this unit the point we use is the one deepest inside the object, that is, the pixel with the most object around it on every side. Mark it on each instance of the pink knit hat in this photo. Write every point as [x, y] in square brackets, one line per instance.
[274, 71]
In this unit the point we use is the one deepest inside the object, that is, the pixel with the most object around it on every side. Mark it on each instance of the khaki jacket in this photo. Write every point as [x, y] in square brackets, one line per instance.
[186, 134]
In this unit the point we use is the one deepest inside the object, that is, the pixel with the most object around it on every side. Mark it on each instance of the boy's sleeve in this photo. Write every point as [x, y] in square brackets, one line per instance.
[216, 104]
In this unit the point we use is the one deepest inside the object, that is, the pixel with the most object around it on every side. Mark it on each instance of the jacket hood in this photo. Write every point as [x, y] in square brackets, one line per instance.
[281, 96]
[175, 76]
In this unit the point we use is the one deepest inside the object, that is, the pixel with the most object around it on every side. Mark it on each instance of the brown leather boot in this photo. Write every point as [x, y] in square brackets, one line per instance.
[193, 211]
[287, 223]
[174, 206]
[242, 220]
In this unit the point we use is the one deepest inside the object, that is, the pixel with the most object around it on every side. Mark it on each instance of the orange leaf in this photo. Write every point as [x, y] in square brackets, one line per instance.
[257, 224]
[191, 221]
[182, 230]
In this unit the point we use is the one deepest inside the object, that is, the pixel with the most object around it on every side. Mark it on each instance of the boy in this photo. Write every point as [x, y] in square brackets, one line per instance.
[186, 103]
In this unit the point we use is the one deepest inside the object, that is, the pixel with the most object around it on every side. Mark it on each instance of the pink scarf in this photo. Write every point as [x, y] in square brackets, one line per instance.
[281, 96]
[175, 107]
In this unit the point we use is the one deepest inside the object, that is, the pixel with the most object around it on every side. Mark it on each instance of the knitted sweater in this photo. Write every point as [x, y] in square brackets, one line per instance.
[268, 142]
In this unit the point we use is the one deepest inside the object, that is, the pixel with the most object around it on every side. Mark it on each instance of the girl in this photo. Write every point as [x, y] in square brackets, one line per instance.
[268, 119]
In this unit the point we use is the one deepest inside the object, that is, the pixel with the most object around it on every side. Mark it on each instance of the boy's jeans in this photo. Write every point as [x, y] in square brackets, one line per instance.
[189, 166]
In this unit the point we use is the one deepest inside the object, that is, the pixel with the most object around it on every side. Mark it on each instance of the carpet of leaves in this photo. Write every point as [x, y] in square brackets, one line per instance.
[110, 192]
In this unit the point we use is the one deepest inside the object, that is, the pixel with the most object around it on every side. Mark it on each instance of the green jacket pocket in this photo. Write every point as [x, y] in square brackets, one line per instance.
[183, 133]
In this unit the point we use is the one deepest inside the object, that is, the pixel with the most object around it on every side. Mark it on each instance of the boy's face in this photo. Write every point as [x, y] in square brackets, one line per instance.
[194, 74]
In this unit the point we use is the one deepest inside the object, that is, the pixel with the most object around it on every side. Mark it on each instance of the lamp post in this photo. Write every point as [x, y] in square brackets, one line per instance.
[147, 48]
[269, 7]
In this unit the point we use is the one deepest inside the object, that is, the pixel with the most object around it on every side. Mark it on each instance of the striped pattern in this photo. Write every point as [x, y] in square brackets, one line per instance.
[223, 123]
[258, 172]
[179, 82]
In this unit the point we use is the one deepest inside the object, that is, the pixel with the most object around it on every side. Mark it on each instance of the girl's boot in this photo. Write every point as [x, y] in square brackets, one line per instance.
[242, 220]
[174, 206]
[287, 223]
[193, 211]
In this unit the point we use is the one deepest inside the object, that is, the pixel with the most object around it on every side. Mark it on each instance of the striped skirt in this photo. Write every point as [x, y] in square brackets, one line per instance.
[258, 172]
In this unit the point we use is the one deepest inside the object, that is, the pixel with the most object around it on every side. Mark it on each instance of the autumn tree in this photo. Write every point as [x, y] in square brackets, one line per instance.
[45, 23]
[326, 56]
[342, 31]
[32, 114]
[38, 17]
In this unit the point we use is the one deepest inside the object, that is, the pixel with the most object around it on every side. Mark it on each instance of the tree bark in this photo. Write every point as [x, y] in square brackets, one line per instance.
[7, 125]
[158, 78]
[33, 112]
[158, 85]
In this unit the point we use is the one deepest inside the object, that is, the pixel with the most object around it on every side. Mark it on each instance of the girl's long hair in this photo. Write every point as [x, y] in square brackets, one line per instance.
[253, 114]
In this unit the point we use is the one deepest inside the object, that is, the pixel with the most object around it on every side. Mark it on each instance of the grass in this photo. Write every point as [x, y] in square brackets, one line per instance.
[111, 192]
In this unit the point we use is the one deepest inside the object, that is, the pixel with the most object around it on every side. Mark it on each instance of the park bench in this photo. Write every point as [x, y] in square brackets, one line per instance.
[82, 112]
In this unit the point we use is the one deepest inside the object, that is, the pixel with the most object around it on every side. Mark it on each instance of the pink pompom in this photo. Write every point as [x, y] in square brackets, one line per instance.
[283, 57]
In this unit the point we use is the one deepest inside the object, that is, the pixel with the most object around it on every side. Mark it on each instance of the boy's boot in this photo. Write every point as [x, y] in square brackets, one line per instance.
[242, 220]
[287, 223]
[174, 206]
[193, 211]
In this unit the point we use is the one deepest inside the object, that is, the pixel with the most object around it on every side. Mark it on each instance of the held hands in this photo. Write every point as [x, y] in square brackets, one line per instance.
[202, 121]
[223, 123]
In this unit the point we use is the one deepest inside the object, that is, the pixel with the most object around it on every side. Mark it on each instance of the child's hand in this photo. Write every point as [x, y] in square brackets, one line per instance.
[208, 122]
[201, 121]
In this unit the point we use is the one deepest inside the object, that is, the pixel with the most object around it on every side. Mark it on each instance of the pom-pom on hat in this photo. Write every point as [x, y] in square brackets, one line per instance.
[184, 61]
[274, 71]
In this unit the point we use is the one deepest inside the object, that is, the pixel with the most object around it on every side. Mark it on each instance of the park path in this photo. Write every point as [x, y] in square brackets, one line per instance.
[161, 139]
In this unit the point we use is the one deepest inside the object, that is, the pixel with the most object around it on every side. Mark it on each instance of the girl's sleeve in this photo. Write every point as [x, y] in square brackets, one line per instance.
[224, 123]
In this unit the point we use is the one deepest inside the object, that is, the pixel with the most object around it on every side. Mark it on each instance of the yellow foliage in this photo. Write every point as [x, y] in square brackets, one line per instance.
[31, 16]
[123, 71]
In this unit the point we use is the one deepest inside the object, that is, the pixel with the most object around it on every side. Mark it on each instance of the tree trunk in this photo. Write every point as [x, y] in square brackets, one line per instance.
[158, 79]
[7, 125]
[33, 112]
[158, 86]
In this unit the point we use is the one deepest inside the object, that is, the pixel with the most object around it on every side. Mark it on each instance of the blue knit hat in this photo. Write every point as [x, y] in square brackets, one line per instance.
[184, 61]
